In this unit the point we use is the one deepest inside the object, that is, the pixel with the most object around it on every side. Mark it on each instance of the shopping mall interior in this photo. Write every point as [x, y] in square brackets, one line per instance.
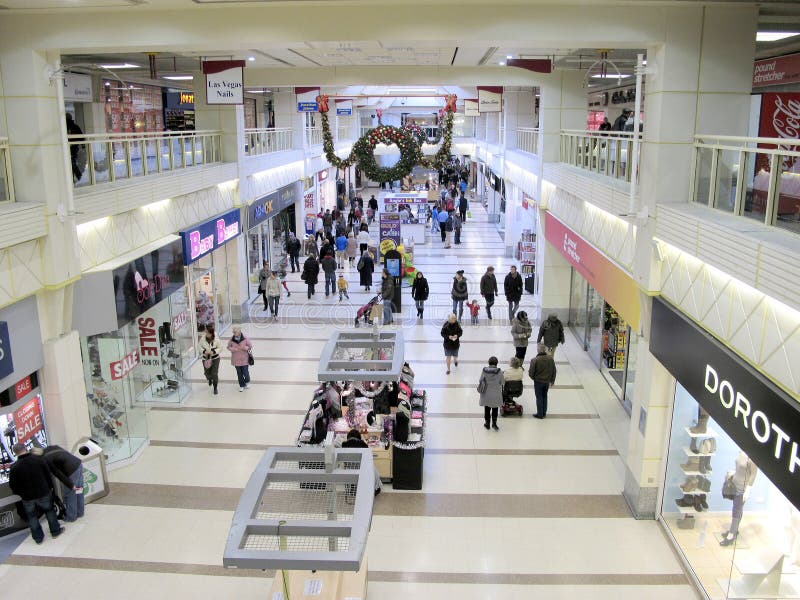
[618, 180]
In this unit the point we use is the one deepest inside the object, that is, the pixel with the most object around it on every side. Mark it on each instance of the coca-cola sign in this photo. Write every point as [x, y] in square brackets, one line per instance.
[780, 118]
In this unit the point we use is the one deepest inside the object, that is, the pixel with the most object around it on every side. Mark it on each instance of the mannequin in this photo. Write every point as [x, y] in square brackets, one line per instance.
[743, 478]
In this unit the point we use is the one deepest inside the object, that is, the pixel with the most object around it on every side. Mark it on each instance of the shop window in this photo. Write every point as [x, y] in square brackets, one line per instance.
[746, 546]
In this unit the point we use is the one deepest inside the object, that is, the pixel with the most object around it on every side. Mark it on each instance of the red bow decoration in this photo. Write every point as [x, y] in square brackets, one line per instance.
[441, 113]
[450, 103]
[379, 112]
[322, 103]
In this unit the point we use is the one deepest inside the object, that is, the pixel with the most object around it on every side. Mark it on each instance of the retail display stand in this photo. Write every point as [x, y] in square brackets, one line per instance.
[526, 255]
[306, 510]
[697, 468]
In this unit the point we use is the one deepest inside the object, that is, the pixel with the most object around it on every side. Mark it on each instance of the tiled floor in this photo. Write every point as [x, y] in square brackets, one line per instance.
[532, 511]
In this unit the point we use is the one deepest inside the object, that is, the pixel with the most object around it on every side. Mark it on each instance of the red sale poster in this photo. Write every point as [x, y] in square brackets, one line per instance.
[28, 420]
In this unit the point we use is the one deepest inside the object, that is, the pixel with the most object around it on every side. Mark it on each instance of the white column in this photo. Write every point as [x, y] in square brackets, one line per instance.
[518, 112]
[286, 115]
[562, 106]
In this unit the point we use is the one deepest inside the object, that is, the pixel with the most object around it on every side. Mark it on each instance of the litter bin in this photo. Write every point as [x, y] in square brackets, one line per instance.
[95, 479]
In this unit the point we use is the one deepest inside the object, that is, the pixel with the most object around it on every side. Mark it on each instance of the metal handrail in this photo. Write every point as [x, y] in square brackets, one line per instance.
[727, 175]
[7, 185]
[267, 139]
[603, 152]
[108, 157]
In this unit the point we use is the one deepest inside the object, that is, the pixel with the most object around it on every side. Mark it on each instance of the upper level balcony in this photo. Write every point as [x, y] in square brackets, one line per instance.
[757, 178]
[6, 181]
[110, 157]
[608, 153]
[266, 140]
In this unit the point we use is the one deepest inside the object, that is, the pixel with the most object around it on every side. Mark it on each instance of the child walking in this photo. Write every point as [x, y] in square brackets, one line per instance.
[474, 309]
[341, 285]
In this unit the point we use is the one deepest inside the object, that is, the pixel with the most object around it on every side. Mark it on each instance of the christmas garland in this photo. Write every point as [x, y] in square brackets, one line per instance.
[409, 139]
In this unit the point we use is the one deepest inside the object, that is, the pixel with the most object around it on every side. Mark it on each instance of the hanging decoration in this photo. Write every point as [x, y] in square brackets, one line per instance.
[409, 140]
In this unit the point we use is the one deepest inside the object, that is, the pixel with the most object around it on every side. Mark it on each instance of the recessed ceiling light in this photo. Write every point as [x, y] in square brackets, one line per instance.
[508, 56]
[609, 76]
[774, 36]
[120, 66]
[502, 63]
[644, 62]
[178, 77]
[251, 58]
[108, 84]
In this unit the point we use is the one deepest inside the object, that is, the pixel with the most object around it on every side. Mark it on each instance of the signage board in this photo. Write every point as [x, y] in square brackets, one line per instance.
[490, 99]
[268, 206]
[210, 235]
[224, 81]
[122, 367]
[307, 98]
[23, 387]
[780, 118]
[344, 108]
[6, 361]
[28, 421]
[179, 100]
[763, 420]
[77, 87]
[471, 108]
[145, 281]
[776, 71]
[611, 282]
[389, 232]
[307, 107]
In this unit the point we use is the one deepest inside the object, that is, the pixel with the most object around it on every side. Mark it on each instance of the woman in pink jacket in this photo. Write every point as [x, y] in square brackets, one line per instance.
[240, 347]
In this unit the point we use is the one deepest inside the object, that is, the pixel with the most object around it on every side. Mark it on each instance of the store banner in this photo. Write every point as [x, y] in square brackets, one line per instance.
[389, 232]
[77, 87]
[6, 360]
[179, 100]
[28, 422]
[270, 205]
[780, 118]
[490, 99]
[762, 419]
[344, 108]
[224, 81]
[206, 237]
[471, 108]
[611, 282]
[307, 99]
[776, 71]
[146, 280]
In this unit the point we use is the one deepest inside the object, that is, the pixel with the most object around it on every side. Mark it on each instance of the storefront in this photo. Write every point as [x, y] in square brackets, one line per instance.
[727, 418]
[326, 191]
[179, 110]
[206, 255]
[269, 221]
[603, 308]
[137, 342]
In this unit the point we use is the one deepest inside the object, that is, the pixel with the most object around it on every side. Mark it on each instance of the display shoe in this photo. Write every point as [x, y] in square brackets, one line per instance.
[728, 538]
[703, 501]
[703, 484]
[698, 504]
[701, 426]
[693, 464]
[690, 484]
[687, 501]
[705, 464]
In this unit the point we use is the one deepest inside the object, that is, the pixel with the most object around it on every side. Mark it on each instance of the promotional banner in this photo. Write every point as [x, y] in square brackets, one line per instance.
[763, 420]
[207, 237]
[471, 108]
[28, 422]
[307, 99]
[149, 349]
[224, 81]
[612, 283]
[780, 118]
[776, 71]
[389, 232]
[6, 362]
[490, 98]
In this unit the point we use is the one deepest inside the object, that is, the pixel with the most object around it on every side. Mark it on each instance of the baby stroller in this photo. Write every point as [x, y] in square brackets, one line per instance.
[511, 390]
[365, 311]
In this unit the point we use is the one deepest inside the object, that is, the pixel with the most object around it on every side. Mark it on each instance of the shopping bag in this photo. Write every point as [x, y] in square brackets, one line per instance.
[376, 312]
[207, 363]
[469, 214]
[250, 360]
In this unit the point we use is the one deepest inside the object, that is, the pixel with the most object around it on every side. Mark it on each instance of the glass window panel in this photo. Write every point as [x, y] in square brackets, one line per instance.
[787, 199]
[703, 175]
[727, 172]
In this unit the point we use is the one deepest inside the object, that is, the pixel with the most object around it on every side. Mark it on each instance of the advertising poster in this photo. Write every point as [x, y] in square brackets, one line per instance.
[780, 118]
[29, 424]
[389, 232]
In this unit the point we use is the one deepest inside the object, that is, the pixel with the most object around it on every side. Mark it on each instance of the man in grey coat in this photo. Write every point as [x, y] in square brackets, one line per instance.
[543, 373]
[551, 333]
[490, 387]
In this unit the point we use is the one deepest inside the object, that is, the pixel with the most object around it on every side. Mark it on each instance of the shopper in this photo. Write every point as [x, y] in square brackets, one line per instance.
[68, 469]
[457, 227]
[387, 293]
[512, 286]
[293, 250]
[373, 205]
[282, 276]
[77, 152]
[240, 348]
[272, 293]
[619, 123]
[474, 310]
[420, 292]
[328, 264]
[451, 333]
[605, 125]
[311, 245]
[263, 276]
[366, 267]
[310, 274]
[341, 248]
[327, 221]
[551, 333]
[449, 226]
[209, 349]
[521, 333]
[434, 218]
[513, 377]
[354, 440]
[363, 240]
[490, 387]
[488, 288]
[462, 202]
[30, 479]
[543, 373]
[459, 293]
[351, 250]
[443, 224]
[341, 285]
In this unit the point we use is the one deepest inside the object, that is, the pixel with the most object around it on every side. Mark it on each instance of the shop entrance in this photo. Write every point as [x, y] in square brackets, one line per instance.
[266, 242]
[209, 286]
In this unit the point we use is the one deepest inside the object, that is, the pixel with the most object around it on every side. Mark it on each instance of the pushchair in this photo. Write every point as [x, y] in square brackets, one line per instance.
[511, 390]
[365, 311]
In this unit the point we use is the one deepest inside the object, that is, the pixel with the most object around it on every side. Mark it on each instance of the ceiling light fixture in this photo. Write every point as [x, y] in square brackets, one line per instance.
[774, 36]
[609, 76]
[251, 58]
[509, 57]
[412, 90]
[502, 63]
[178, 77]
[118, 66]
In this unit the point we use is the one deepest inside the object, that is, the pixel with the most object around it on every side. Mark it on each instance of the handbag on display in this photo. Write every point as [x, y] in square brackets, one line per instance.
[728, 487]
[250, 360]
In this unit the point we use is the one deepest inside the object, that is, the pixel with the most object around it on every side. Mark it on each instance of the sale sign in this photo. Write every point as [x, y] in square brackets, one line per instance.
[125, 365]
[389, 232]
[28, 421]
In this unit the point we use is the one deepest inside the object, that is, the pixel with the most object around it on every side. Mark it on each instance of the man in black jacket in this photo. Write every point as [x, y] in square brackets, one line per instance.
[489, 290]
[293, 249]
[30, 479]
[512, 285]
[68, 469]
